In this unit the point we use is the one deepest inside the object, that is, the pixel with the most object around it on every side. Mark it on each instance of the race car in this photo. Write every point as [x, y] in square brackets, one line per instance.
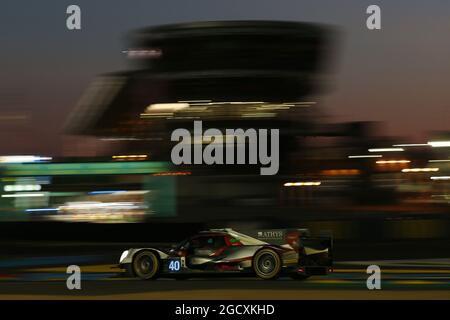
[268, 254]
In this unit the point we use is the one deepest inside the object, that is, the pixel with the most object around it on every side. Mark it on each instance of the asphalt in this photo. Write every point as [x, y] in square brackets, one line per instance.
[45, 278]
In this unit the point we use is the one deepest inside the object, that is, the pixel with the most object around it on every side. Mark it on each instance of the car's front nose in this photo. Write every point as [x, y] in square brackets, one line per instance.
[127, 256]
[125, 261]
[123, 255]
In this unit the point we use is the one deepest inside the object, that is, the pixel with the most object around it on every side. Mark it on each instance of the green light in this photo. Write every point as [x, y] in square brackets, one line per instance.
[88, 168]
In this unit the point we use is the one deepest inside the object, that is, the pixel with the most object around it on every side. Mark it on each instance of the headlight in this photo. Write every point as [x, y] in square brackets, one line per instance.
[124, 255]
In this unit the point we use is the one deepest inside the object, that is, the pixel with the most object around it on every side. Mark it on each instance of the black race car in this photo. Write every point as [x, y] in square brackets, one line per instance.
[267, 254]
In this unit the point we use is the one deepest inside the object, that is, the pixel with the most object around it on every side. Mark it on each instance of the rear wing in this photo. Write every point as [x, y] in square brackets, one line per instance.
[296, 237]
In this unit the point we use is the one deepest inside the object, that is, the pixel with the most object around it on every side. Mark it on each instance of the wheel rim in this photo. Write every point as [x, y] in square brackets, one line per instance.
[267, 263]
[146, 265]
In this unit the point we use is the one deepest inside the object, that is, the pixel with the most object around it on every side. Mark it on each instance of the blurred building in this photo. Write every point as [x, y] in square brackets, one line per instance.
[236, 74]
[233, 74]
[251, 73]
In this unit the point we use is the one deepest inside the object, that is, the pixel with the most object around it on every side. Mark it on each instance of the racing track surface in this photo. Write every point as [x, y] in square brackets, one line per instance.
[45, 278]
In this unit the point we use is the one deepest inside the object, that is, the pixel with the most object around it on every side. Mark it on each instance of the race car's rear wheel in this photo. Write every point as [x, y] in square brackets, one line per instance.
[146, 265]
[267, 264]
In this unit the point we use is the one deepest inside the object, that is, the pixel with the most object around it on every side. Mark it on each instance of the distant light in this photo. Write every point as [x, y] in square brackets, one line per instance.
[177, 173]
[411, 145]
[166, 107]
[96, 205]
[366, 156]
[302, 184]
[386, 149]
[143, 53]
[23, 195]
[340, 172]
[211, 103]
[259, 115]
[246, 102]
[41, 209]
[21, 159]
[130, 157]
[136, 192]
[421, 170]
[18, 187]
[392, 161]
[106, 192]
[440, 178]
[443, 160]
[273, 106]
[439, 144]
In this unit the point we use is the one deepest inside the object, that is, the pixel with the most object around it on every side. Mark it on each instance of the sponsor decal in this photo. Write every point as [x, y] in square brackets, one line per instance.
[271, 234]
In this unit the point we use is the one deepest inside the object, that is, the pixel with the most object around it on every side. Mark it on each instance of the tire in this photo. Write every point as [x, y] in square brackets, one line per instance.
[267, 264]
[146, 265]
[299, 277]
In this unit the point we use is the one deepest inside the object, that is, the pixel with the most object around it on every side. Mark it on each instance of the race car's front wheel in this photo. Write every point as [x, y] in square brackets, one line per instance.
[146, 265]
[267, 264]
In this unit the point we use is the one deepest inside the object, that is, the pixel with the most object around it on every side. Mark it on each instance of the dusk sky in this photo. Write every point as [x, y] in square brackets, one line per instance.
[399, 75]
